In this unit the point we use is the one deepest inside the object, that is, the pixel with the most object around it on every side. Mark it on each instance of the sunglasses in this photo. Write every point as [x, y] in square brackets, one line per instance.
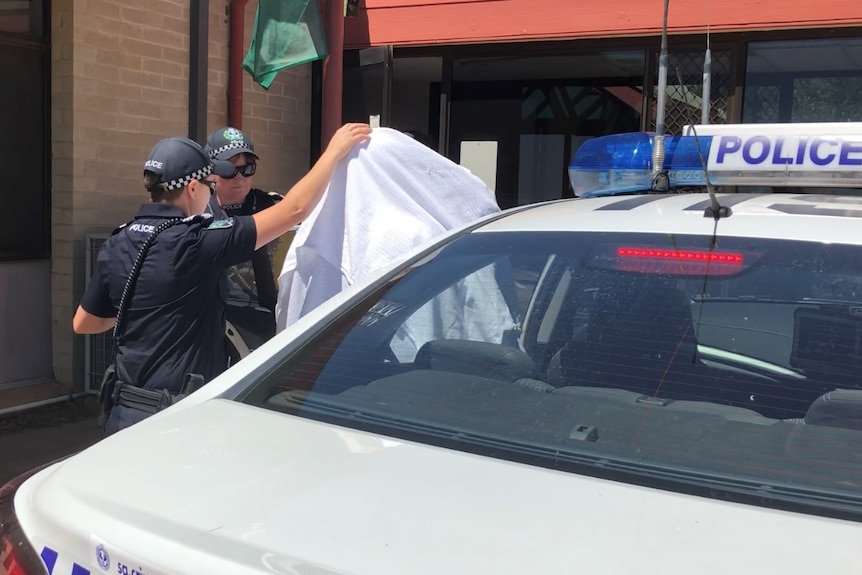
[245, 171]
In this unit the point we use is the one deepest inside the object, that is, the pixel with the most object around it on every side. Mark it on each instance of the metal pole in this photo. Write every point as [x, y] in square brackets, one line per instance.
[333, 70]
[198, 69]
[235, 55]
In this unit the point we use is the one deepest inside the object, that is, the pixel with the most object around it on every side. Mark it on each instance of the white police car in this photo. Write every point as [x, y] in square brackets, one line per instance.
[635, 383]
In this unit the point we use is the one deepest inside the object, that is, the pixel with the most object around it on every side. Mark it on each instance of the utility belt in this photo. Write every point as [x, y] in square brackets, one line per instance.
[114, 392]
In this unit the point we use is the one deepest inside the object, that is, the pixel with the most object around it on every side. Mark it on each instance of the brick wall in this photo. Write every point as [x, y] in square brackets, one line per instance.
[278, 120]
[119, 83]
[62, 232]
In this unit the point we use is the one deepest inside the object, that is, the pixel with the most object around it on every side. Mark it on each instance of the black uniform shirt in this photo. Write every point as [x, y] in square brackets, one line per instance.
[255, 201]
[175, 317]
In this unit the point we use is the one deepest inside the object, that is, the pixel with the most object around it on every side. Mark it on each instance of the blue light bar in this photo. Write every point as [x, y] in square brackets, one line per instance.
[622, 163]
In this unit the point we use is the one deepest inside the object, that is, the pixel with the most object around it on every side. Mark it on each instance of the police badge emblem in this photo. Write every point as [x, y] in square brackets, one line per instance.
[232, 135]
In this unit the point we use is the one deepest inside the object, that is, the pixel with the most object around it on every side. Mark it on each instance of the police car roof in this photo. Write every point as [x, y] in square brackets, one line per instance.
[809, 217]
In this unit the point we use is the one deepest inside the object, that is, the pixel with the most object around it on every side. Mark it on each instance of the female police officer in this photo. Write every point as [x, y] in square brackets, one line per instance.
[172, 327]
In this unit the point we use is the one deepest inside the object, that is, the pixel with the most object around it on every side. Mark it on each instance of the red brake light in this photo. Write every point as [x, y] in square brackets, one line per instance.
[672, 261]
[9, 564]
[17, 556]
[681, 255]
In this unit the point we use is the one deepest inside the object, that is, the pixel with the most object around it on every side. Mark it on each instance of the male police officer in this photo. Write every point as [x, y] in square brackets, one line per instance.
[171, 329]
[236, 196]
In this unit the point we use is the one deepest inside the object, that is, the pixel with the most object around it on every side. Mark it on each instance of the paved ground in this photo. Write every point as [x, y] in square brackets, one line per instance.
[41, 435]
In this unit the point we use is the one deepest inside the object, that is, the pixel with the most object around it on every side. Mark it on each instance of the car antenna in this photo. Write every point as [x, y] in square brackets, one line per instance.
[714, 210]
[706, 95]
[660, 179]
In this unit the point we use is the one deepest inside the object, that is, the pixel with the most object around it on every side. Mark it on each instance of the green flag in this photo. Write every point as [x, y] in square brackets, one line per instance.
[286, 33]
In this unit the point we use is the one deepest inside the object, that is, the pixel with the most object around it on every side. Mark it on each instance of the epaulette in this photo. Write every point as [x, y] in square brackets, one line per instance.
[273, 197]
[197, 218]
[120, 227]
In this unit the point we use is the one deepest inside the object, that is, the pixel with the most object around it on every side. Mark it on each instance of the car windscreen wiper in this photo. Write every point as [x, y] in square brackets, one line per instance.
[767, 299]
[590, 462]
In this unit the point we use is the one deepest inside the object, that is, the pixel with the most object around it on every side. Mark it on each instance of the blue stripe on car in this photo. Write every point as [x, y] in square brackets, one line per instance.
[49, 557]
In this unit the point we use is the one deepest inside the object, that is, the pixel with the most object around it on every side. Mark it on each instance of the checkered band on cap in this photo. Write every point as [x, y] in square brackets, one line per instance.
[231, 146]
[196, 175]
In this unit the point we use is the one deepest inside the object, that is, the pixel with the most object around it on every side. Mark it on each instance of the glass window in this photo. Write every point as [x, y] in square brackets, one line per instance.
[24, 110]
[364, 84]
[557, 118]
[416, 97]
[23, 17]
[15, 16]
[25, 191]
[737, 371]
[539, 109]
[804, 81]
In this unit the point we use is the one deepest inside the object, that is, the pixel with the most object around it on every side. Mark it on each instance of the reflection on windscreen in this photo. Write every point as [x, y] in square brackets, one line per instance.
[649, 357]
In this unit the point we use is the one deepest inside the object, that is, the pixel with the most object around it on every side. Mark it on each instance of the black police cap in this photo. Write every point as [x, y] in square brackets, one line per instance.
[177, 161]
[227, 142]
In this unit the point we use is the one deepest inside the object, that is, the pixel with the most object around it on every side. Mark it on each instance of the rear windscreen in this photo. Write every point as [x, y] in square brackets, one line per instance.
[729, 369]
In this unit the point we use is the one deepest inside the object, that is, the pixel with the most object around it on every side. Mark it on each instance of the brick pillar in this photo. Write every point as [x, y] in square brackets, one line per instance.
[119, 84]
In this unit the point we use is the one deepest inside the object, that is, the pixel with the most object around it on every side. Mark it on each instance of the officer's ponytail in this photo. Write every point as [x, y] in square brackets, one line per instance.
[159, 193]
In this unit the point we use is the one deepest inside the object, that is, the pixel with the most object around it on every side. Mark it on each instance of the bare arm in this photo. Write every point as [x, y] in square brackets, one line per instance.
[85, 322]
[302, 198]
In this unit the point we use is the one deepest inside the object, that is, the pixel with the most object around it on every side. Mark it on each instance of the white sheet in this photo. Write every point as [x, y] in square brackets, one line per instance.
[386, 198]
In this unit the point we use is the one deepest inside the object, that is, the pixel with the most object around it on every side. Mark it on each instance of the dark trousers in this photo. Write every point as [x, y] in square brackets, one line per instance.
[122, 417]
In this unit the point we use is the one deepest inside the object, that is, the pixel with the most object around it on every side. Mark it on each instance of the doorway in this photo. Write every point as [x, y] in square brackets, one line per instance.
[515, 121]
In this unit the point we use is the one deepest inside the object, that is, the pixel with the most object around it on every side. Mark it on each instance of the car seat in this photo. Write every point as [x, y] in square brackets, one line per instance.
[640, 337]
